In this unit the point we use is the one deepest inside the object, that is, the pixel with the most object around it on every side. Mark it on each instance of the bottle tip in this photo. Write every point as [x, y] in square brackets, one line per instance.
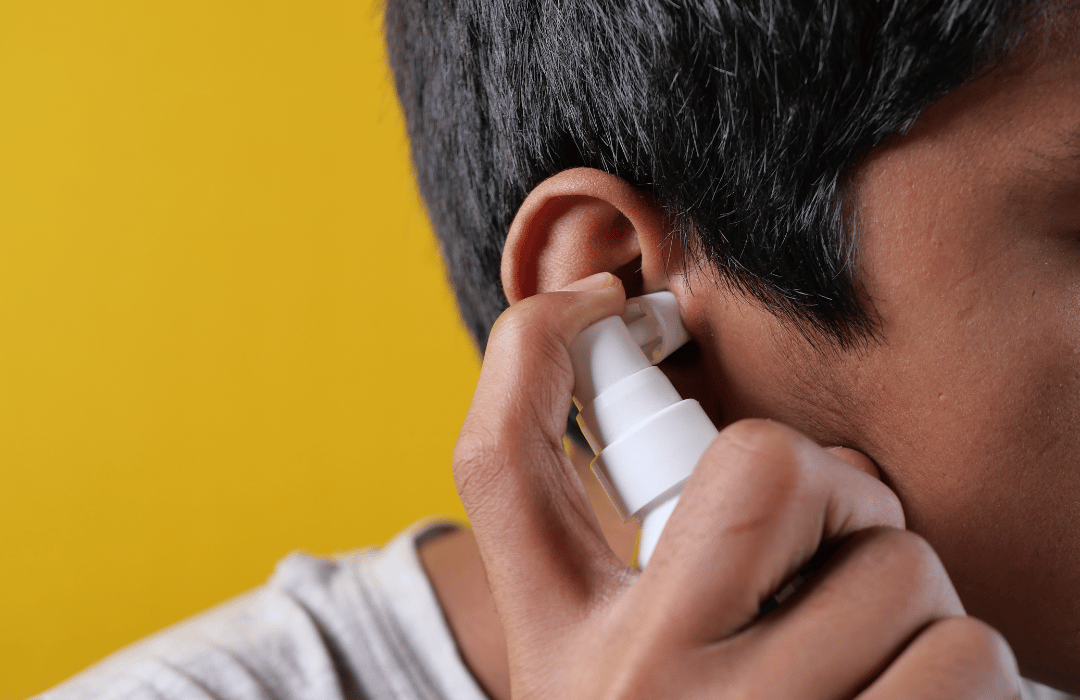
[655, 324]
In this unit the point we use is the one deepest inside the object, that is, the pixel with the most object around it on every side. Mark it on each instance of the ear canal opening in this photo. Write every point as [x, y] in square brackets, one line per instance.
[632, 278]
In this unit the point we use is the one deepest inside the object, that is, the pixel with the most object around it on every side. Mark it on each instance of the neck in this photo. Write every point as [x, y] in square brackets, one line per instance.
[453, 565]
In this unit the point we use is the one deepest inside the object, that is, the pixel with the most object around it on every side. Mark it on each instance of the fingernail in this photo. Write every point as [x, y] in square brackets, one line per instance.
[856, 459]
[592, 283]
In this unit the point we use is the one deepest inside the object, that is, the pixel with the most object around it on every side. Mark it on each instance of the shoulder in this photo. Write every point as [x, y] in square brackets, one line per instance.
[366, 624]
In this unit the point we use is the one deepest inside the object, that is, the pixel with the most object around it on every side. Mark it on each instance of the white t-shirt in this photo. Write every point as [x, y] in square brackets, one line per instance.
[362, 626]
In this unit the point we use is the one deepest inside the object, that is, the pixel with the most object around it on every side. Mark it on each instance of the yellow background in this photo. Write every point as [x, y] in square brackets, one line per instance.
[224, 329]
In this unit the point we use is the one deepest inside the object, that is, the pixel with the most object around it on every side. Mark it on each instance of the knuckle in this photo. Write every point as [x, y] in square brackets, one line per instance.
[904, 551]
[511, 318]
[763, 456]
[526, 331]
[757, 436]
[513, 327]
[911, 566]
[524, 318]
[488, 465]
[891, 509]
[472, 448]
[970, 642]
[475, 462]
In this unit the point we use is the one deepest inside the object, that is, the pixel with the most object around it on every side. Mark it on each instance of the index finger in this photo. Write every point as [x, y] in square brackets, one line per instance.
[761, 503]
[540, 541]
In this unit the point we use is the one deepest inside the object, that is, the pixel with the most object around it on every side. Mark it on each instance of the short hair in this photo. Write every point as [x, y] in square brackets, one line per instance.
[743, 119]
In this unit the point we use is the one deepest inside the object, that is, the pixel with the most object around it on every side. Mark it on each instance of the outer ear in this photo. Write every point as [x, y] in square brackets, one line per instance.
[580, 222]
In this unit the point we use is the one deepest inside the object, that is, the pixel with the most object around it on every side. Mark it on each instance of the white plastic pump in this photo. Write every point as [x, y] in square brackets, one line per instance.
[647, 439]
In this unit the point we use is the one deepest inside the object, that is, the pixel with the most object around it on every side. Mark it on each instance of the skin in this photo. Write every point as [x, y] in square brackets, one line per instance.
[968, 403]
[456, 571]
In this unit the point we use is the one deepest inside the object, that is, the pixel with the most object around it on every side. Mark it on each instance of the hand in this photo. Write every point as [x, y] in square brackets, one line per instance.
[878, 619]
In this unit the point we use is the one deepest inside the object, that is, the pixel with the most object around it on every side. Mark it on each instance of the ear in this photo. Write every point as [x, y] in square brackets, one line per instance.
[580, 222]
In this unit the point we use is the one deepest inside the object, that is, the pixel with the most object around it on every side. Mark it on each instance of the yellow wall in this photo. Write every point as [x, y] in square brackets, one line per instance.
[224, 331]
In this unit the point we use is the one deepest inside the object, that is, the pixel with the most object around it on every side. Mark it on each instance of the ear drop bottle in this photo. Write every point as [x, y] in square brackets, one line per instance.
[647, 439]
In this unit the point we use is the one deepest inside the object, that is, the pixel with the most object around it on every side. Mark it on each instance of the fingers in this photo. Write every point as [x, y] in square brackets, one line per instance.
[954, 658]
[541, 544]
[761, 502]
[854, 615]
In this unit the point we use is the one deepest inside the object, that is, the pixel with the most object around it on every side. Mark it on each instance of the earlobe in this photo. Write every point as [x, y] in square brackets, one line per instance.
[579, 222]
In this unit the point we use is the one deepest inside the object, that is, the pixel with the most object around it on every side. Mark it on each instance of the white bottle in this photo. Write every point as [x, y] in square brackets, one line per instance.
[647, 439]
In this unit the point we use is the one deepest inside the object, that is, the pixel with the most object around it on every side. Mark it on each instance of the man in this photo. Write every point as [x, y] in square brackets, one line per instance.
[876, 267]
[869, 213]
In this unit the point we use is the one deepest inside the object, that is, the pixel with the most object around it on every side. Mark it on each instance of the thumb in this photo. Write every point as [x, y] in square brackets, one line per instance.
[540, 541]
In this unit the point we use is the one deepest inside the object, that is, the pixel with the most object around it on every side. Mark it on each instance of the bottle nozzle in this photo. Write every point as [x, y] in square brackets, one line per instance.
[646, 437]
[655, 325]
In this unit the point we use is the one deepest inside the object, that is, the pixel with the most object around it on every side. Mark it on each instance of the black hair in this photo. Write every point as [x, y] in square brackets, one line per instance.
[742, 118]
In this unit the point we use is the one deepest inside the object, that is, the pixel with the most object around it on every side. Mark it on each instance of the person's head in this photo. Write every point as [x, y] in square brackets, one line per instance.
[869, 210]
